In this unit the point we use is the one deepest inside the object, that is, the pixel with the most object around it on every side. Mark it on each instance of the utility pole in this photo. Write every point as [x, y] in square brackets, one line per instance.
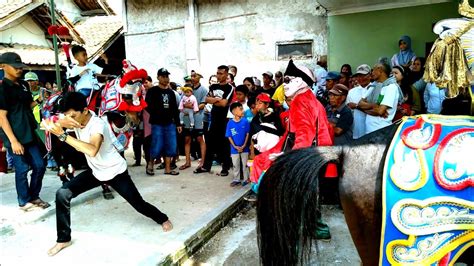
[55, 45]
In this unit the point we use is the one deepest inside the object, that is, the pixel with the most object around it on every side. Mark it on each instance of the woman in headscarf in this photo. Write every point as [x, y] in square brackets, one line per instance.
[406, 56]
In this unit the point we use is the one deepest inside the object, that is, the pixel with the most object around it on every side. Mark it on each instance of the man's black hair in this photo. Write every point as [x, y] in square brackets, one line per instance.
[234, 105]
[226, 68]
[243, 89]
[149, 79]
[77, 49]
[73, 100]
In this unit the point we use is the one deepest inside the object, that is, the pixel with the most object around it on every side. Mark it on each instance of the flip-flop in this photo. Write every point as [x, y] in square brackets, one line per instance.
[200, 170]
[172, 173]
[41, 203]
[184, 166]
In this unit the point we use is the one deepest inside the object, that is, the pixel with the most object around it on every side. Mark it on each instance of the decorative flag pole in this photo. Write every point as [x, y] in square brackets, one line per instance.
[55, 45]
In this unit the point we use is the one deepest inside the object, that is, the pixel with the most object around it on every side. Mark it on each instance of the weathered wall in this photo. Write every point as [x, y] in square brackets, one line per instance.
[362, 38]
[241, 32]
[26, 32]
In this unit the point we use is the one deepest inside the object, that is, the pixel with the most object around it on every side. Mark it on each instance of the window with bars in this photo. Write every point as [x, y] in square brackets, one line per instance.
[301, 49]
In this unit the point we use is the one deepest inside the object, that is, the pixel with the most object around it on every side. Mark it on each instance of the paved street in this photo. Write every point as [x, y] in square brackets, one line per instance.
[106, 232]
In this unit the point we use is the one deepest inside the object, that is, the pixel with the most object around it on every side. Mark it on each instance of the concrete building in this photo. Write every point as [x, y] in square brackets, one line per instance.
[256, 36]
[261, 35]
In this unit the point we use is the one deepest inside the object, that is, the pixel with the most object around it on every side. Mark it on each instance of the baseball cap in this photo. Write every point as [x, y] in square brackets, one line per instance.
[333, 75]
[363, 69]
[12, 59]
[31, 76]
[263, 97]
[339, 89]
[187, 78]
[268, 73]
[163, 72]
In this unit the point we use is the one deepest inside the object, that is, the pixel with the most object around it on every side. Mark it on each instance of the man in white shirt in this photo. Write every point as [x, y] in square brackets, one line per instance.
[362, 76]
[380, 113]
[105, 162]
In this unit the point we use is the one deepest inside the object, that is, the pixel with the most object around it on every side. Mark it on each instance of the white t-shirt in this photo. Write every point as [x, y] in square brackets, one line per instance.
[388, 96]
[107, 163]
[88, 80]
[354, 96]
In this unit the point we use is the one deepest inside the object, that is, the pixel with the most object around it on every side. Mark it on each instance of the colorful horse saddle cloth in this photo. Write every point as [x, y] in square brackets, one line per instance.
[428, 194]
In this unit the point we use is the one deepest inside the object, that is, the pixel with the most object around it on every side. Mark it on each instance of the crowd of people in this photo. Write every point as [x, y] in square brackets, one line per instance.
[218, 123]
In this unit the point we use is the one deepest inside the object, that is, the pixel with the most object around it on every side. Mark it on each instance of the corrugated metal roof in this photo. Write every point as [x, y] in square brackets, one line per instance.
[33, 54]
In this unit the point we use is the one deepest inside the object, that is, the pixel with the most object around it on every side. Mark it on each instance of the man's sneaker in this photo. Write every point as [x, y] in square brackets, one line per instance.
[252, 197]
[245, 182]
[235, 183]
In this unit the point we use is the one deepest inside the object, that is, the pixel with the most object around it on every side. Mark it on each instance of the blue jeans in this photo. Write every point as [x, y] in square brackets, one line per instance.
[163, 141]
[32, 157]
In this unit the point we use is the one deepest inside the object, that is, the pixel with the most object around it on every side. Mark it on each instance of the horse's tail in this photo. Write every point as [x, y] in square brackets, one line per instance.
[288, 207]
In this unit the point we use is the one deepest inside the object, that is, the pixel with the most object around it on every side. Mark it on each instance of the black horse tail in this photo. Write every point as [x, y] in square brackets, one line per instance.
[288, 205]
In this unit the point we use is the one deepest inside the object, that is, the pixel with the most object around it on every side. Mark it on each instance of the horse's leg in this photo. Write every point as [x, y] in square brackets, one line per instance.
[360, 198]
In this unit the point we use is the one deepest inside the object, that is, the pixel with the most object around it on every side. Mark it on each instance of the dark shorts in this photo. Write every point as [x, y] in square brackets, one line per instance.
[193, 133]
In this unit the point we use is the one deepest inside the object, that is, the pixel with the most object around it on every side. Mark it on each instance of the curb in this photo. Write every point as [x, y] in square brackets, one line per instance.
[203, 235]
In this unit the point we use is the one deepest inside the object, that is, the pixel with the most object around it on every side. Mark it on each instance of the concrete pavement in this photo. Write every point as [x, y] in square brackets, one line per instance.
[108, 232]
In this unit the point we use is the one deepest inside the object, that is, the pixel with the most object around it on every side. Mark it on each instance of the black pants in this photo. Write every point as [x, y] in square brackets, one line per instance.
[138, 142]
[85, 181]
[146, 147]
[217, 144]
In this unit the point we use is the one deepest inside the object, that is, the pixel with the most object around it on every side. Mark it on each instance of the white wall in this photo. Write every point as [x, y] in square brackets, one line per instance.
[24, 31]
[241, 32]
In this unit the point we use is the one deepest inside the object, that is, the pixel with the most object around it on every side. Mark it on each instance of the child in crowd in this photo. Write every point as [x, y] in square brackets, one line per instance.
[238, 134]
[84, 74]
[188, 98]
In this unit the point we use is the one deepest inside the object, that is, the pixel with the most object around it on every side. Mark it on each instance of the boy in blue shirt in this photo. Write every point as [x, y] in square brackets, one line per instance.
[237, 132]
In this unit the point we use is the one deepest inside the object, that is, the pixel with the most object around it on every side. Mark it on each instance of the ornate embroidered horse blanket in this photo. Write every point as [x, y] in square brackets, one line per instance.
[428, 194]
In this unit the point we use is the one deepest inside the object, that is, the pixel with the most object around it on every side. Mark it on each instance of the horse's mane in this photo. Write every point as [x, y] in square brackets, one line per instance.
[288, 200]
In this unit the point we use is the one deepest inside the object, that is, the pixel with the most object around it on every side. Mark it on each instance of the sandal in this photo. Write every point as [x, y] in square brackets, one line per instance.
[149, 169]
[184, 166]
[40, 203]
[200, 170]
[172, 173]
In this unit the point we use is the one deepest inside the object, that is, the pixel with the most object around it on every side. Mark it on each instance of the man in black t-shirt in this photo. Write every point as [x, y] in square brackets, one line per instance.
[164, 120]
[18, 132]
[216, 143]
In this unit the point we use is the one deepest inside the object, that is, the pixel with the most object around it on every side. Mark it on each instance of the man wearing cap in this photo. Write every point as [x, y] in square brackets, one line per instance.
[267, 87]
[32, 80]
[200, 92]
[339, 115]
[332, 79]
[264, 115]
[164, 120]
[362, 76]
[17, 131]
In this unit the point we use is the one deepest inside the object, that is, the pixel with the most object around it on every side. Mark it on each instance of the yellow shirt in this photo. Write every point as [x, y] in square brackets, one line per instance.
[279, 94]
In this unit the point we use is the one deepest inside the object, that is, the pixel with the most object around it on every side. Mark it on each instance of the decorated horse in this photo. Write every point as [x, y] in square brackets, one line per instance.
[406, 189]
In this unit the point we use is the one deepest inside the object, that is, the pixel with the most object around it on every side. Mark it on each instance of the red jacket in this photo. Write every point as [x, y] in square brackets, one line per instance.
[305, 115]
